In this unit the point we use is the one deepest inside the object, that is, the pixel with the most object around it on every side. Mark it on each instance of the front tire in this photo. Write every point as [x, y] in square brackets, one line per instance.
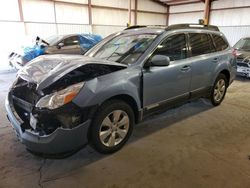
[219, 90]
[112, 126]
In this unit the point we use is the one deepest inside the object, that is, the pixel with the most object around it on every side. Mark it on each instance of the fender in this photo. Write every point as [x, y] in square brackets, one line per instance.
[98, 90]
[223, 64]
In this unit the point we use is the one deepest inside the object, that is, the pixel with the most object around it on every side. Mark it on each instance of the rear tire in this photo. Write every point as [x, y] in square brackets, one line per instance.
[111, 126]
[219, 90]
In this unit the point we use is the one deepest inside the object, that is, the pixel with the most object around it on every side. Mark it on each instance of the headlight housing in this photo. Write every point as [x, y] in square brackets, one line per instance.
[59, 98]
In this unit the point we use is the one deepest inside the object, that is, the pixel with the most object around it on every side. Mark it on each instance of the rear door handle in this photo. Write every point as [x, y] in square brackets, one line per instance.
[185, 68]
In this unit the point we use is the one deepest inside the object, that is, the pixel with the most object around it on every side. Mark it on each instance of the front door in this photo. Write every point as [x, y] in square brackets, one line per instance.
[168, 83]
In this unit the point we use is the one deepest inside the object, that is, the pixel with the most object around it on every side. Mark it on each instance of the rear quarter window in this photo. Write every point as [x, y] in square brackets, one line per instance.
[220, 43]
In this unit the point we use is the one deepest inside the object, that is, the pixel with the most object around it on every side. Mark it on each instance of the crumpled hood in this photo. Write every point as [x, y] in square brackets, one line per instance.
[243, 56]
[47, 69]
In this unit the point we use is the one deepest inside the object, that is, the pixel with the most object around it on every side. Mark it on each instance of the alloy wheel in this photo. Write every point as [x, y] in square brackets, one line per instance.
[114, 128]
[219, 90]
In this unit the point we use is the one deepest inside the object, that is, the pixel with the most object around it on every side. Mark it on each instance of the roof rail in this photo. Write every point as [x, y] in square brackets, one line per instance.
[178, 26]
[192, 26]
[135, 27]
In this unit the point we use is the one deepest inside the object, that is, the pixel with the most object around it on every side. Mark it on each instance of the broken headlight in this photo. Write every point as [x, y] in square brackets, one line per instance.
[59, 98]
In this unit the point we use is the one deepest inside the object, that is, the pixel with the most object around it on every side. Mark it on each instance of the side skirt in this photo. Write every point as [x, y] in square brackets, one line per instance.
[174, 102]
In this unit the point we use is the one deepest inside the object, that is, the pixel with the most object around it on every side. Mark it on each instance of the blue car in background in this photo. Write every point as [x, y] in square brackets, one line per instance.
[57, 44]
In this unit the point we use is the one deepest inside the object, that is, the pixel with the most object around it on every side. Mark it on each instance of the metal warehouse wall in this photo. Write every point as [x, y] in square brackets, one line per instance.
[232, 16]
[106, 20]
[22, 18]
[47, 17]
[234, 23]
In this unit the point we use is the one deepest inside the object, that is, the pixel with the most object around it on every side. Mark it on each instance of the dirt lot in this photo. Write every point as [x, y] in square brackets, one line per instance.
[195, 145]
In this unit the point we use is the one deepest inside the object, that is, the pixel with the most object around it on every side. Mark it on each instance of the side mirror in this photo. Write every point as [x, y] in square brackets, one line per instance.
[60, 45]
[159, 60]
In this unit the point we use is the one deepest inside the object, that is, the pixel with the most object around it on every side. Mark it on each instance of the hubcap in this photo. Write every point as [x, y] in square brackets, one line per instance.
[114, 128]
[219, 90]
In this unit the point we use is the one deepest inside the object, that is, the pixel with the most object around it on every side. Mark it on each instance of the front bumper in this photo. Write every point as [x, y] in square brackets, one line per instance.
[61, 141]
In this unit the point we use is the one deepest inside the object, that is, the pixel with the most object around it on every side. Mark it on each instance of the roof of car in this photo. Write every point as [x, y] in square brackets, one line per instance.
[160, 29]
[70, 35]
[148, 29]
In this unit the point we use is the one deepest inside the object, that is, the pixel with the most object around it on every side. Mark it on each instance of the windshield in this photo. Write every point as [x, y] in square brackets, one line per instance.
[243, 44]
[53, 40]
[125, 49]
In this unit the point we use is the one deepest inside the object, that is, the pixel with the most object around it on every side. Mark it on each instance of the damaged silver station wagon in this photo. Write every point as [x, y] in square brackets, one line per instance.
[59, 103]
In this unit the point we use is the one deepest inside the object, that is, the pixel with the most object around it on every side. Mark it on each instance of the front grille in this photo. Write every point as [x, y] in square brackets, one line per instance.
[242, 64]
[25, 91]
[24, 97]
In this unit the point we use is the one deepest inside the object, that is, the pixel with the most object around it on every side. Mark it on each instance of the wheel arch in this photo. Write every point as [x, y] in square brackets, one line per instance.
[227, 74]
[130, 101]
[125, 98]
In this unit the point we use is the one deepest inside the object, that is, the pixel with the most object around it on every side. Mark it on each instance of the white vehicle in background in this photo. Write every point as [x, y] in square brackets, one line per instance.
[243, 57]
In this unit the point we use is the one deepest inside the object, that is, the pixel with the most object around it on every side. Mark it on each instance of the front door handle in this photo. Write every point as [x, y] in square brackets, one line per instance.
[185, 68]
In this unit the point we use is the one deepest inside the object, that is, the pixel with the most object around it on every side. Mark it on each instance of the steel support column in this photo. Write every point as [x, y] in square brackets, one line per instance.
[167, 18]
[90, 12]
[129, 12]
[136, 7]
[207, 11]
[20, 7]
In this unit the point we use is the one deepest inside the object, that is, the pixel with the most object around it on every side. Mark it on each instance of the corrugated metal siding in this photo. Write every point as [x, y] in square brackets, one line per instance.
[235, 33]
[75, 1]
[106, 30]
[234, 23]
[185, 18]
[191, 17]
[9, 10]
[110, 17]
[188, 7]
[235, 17]
[113, 3]
[75, 14]
[73, 28]
[229, 3]
[151, 19]
[150, 6]
[38, 11]
[40, 29]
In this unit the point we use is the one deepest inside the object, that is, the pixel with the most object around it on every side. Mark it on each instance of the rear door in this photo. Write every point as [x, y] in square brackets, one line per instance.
[204, 58]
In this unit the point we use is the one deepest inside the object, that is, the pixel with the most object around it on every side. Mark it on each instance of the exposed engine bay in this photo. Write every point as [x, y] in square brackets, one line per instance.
[29, 88]
[243, 65]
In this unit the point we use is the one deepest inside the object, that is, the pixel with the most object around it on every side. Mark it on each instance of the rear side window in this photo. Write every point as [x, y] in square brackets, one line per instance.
[174, 47]
[200, 43]
[220, 43]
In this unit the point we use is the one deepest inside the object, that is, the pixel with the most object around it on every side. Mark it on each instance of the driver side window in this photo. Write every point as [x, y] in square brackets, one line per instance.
[174, 47]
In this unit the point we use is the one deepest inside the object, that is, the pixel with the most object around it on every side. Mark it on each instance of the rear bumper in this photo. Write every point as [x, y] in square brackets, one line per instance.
[60, 141]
